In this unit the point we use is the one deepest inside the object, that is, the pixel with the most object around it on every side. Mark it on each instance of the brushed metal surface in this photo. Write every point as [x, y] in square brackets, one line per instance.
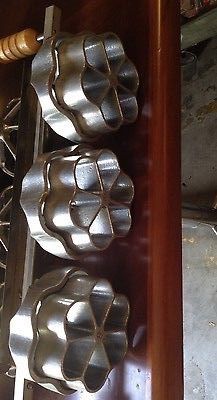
[86, 85]
[77, 200]
[75, 331]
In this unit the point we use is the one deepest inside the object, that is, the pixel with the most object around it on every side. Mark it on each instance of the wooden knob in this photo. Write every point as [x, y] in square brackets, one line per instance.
[19, 45]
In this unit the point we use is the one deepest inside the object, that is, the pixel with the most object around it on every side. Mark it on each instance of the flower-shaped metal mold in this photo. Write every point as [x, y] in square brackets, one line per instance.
[86, 85]
[77, 201]
[79, 332]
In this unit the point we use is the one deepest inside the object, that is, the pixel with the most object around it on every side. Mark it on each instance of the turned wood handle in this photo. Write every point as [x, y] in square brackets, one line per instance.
[19, 45]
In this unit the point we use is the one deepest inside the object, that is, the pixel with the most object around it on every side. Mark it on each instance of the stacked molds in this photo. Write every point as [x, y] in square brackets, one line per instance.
[87, 87]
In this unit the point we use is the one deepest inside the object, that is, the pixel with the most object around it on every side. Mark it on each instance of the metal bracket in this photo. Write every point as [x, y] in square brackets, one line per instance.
[21, 254]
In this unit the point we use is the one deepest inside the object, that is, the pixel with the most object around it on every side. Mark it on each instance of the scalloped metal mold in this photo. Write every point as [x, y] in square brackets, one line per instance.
[86, 85]
[75, 331]
[77, 200]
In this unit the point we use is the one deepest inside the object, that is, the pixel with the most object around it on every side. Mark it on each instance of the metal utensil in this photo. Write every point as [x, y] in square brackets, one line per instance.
[77, 200]
[86, 85]
[75, 331]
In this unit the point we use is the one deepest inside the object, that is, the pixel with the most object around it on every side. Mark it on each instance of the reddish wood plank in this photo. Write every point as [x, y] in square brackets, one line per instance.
[165, 277]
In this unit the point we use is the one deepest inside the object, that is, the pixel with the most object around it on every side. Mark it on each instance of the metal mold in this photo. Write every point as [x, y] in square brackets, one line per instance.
[75, 331]
[86, 85]
[77, 200]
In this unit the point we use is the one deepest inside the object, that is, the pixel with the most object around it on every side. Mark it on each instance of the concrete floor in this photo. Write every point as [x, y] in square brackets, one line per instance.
[200, 313]
[199, 183]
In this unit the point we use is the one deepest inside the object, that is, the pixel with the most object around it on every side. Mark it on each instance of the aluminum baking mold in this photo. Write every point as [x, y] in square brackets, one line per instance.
[86, 85]
[75, 331]
[76, 201]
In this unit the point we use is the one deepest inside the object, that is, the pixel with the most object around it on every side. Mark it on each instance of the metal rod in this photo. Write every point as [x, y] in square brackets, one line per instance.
[13, 110]
[5, 209]
[51, 25]
[4, 223]
[40, 37]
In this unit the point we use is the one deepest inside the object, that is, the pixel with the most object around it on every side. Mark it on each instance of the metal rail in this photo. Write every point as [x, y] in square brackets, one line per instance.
[20, 270]
[22, 390]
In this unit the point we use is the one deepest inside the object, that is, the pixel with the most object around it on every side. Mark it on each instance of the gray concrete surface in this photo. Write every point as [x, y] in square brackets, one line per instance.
[200, 313]
[199, 129]
[199, 179]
